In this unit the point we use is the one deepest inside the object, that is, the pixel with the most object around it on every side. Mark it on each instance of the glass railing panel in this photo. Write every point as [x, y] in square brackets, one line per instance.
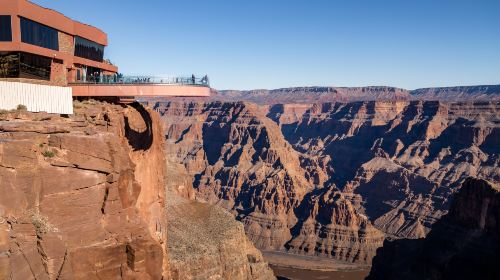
[193, 80]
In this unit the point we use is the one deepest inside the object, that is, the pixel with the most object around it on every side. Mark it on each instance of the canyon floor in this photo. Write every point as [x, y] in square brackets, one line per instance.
[287, 273]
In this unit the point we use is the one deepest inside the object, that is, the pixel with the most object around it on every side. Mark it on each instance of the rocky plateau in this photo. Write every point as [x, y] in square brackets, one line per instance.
[305, 95]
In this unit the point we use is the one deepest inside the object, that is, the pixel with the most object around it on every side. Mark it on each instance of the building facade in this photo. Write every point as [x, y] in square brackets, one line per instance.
[40, 45]
[46, 59]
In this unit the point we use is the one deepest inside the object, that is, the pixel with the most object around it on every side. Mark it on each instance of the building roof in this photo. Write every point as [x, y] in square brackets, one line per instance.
[54, 19]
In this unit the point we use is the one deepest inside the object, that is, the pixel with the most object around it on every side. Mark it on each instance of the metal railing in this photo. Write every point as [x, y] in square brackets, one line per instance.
[193, 80]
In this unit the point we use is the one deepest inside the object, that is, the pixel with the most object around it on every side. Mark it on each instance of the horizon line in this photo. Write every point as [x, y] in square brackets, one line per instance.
[366, 86]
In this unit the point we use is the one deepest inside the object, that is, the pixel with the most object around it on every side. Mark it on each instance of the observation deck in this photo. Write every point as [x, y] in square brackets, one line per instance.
[142, 86]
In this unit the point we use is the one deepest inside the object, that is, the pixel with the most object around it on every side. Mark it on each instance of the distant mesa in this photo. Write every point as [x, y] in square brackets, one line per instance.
[350, 94]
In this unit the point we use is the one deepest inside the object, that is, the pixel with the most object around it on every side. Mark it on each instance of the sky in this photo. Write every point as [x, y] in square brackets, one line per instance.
[255, 44]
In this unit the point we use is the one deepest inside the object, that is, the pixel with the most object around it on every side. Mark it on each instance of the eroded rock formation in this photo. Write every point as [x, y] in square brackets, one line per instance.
[400, 162]
[84, 197]
[237, 158]
[464, 244]
[332, 179]
[77, 200]
[205, 242]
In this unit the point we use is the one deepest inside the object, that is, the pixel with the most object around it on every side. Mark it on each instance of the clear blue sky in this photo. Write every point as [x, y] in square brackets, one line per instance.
[281, 43]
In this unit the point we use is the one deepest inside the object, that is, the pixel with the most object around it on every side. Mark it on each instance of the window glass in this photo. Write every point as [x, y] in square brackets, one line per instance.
[24, 65]
[9, 65]
[88, 49]
[38, 34]
[34, 66]
[5, 29]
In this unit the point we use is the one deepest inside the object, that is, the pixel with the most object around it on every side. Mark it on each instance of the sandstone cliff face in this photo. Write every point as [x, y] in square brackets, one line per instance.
[331, 226]
[464, 244]
[82, 196]
[332, 179]
[237, 158]
[399, 162]
[204, 241]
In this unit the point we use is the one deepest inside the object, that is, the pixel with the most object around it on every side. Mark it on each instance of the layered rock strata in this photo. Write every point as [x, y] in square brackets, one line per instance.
[237, 158]
[399, 162]
[205, 242]
[332, 179]
[464, 244]
[309, 95]
[82, 197]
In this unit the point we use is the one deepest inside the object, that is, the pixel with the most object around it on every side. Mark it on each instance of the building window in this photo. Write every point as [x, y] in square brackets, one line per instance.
[9, 65]
[5, 29]
[34, 66]
[24, 65]
[38, 34]
[88, 49]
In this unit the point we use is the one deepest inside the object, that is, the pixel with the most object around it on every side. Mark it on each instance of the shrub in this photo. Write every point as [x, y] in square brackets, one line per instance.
[41, 223]
[21, 107]
[77, 104]
[89, 102]
[49, 153]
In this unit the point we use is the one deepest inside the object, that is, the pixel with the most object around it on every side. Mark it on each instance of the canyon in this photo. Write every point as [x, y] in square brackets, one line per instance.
[464, 244]
[331, 179]
[84, 197]
[315, 178]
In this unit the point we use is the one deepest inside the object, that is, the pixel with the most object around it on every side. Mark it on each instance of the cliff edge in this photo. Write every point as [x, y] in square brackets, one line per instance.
[82, 195]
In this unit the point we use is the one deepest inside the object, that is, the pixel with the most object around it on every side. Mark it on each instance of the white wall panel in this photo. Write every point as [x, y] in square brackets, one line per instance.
[37, 98]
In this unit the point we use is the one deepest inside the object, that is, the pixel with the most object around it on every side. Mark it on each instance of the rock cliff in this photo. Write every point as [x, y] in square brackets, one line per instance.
[399, 162]
[464, 244]
[205, 242]
[82, 196]
[236, 157]
[332, 179]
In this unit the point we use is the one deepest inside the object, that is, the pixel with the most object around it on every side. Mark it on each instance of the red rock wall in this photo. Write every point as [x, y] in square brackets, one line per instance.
[75, 203]
[464, 244]
[331, 179]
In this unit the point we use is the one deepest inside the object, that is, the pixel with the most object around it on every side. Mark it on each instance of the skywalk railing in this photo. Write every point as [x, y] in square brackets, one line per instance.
[112, 80]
